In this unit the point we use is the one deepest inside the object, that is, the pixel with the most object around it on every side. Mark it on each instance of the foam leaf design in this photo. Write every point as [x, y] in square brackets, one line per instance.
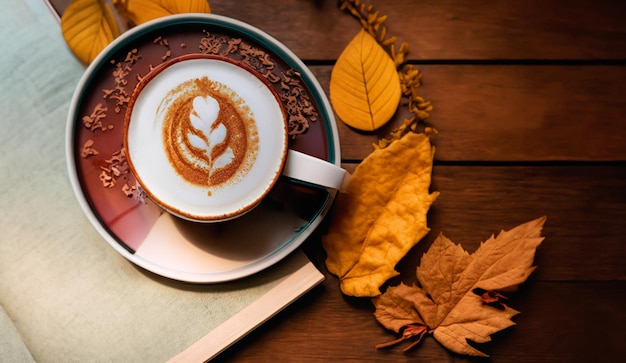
[364, 85]
[217, 135]
[457, 299]
[204, 118]
[196, 141]
[205, 112]
[88, 26]
[224, 159]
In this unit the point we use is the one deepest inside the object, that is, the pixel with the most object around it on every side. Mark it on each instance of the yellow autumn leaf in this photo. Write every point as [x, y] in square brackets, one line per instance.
[381, 216]
[364, 84]
[141, 11]
[88, 26]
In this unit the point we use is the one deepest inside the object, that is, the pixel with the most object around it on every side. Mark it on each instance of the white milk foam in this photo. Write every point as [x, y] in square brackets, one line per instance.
[147, 150]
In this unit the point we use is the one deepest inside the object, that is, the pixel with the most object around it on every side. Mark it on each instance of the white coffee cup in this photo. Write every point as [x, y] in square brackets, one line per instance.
[206, 138]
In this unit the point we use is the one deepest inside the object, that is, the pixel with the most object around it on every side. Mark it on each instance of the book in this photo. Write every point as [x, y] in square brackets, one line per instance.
[65, 337]
[65, 294]
[291, 287]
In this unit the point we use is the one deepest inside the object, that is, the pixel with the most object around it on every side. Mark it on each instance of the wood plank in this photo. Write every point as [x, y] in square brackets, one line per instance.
[451, 29]
[514, 113]
[585, 207]
[507, 112]
[528, 113]
[553, 326]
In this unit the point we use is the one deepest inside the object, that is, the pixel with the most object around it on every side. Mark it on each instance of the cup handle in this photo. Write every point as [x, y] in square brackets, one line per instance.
[316, 171]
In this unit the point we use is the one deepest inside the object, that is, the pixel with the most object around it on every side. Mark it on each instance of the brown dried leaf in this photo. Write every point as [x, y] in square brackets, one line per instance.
[448, 302]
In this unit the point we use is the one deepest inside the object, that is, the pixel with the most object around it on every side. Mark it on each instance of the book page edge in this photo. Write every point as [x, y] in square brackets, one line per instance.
[255, 314]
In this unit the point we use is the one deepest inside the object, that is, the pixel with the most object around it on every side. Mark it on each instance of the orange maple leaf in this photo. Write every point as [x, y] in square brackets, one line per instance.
[457, 290]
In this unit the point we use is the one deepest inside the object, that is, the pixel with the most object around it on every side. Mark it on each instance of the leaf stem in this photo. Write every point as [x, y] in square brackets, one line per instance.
[410, 331]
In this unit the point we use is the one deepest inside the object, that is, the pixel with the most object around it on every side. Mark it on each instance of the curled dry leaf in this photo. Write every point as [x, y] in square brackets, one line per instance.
[141, 11]
[88, 26]
[381, 216]
[456, 298]
[364, 85]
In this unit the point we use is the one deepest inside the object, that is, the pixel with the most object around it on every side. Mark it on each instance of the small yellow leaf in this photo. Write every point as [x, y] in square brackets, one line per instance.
[382, 215]
[88, 26]
[141, 11]
[364, 84]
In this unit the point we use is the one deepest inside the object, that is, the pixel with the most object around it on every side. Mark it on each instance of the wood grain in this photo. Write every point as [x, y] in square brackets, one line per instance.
[586, 243]
[585, 206]
[554, 326]
[513, 113]
[450, 29]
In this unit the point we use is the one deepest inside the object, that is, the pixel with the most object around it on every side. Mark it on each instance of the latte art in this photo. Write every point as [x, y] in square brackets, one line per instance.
[205, 137]
[209, 134]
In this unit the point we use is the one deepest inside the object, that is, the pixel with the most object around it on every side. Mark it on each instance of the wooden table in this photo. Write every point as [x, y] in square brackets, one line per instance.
[530, 103]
